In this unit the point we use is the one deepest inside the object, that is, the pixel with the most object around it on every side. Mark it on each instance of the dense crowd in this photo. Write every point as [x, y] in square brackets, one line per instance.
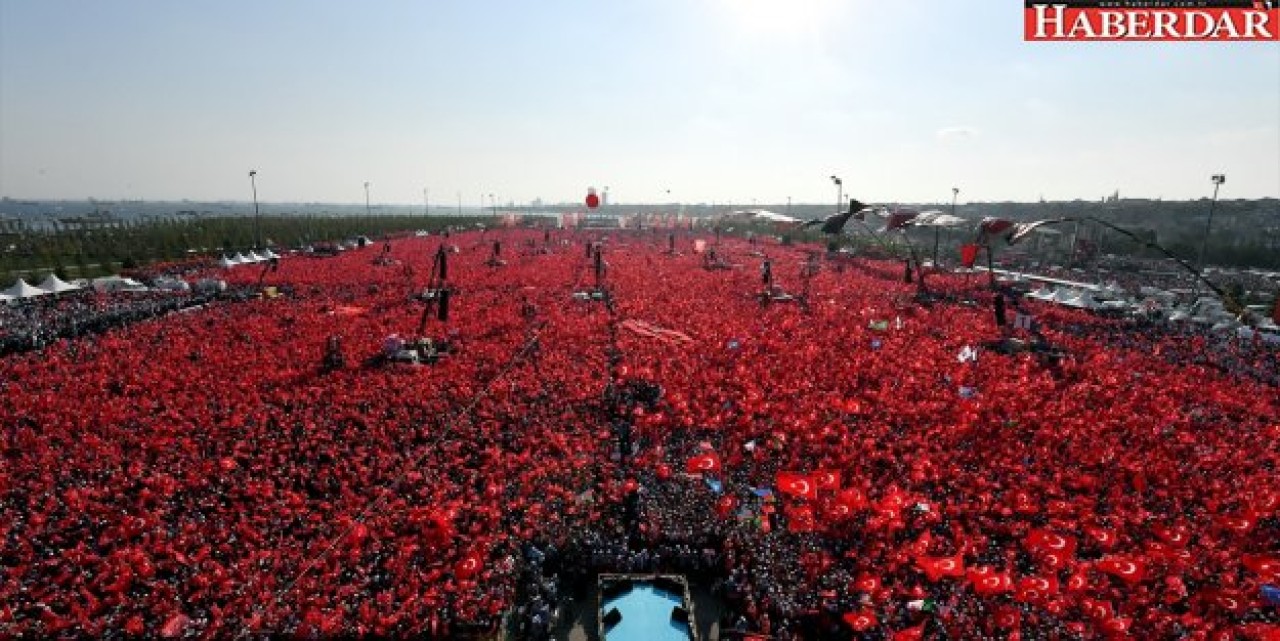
[33, 323]
[858, 465]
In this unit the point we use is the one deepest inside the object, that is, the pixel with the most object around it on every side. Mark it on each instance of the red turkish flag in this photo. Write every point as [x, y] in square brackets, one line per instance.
[1262, 503]
[1008, 617]
[844, 505]
[987, 581]
[937, 567]
[1041, 541]
[1096, 610]
[1036, 589]
[725, 506]
[1130, 571]
[1117, 626]
[910, 634]
[1175, 535]
[1236, 524]
[1103, 538]
[827, 480]
[1230, 601]
[1078, 582]
[854, 498]
[1264, 565]
[800, 519]
[797, 485]
[469, 566]
[860, 621]
[866, 583]
[708, 462]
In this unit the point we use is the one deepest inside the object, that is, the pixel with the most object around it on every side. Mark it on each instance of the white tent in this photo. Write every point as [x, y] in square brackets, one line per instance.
[935, 218]
[226, 263]
[22, 289]
[117, 284]
[772, 217]
[1063, 295]
[253, 256]
[240, 259]
[1084, 300]
[55, 285]
[167, 284]
[270, 254]
[4, 298]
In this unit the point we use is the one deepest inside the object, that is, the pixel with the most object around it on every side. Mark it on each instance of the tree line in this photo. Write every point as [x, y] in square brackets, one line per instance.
[90, 248]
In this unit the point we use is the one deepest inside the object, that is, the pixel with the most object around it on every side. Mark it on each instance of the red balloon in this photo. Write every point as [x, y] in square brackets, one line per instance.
[593, 201]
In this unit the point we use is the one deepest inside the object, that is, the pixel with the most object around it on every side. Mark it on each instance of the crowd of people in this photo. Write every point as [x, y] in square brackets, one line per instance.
[32, 323]
[858, 466]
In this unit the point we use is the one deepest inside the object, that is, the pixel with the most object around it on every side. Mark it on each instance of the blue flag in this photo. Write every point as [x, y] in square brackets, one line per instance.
[1271, 594]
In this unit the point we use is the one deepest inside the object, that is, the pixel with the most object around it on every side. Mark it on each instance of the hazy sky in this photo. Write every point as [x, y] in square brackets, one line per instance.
[714, 100]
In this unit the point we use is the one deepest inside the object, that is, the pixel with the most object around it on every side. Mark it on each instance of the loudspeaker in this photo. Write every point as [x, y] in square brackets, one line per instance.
[612, 618]
[679, 614]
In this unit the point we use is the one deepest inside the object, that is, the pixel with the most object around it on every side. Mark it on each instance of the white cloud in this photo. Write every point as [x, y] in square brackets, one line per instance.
[953, 135]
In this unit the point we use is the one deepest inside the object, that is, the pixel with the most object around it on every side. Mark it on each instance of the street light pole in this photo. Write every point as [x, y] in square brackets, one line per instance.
[1217, 179]
[839, 192]
[257, 218]
[426, 202]
[368, 213]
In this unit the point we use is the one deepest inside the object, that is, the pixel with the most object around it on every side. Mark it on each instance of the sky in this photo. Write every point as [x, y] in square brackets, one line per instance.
[724, 101]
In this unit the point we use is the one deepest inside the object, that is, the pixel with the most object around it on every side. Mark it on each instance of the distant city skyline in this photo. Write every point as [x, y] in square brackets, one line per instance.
[663, 101]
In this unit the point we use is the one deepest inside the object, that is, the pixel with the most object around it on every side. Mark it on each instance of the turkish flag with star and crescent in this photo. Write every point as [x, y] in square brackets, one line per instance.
[798, 485]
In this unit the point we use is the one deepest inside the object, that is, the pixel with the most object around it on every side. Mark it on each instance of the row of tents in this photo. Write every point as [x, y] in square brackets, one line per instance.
[53, 285]
[241, 259]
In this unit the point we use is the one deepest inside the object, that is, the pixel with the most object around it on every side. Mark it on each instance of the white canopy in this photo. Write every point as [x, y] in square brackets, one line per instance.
[168, 284]
[253, 256]
[935, 218]
[240, 259]
[55, 285]
[22, 289]
[1084, 300]
[773, 217]
[1063, 295]
[117, 284]
[225, 262]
